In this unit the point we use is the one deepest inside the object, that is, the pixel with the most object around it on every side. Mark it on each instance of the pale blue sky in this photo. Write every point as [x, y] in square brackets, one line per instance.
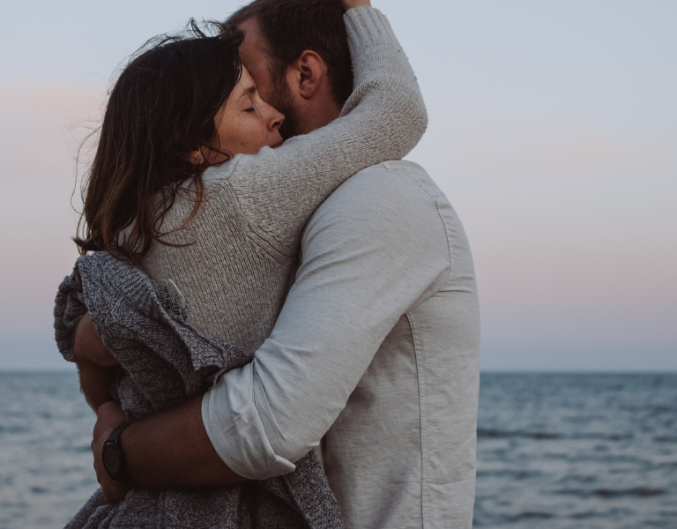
[553, 131]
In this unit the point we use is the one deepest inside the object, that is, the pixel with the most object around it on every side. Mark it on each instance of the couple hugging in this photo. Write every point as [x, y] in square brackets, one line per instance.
[275, 318]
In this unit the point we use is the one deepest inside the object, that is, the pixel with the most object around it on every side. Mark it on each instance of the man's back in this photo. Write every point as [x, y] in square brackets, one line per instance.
[402, 452]
[376, 350]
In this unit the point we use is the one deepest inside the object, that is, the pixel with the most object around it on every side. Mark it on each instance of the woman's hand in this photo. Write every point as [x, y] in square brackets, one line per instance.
[348, 4]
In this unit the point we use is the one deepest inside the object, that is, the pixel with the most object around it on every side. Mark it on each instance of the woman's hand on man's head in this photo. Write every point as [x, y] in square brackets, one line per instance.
[355, 3]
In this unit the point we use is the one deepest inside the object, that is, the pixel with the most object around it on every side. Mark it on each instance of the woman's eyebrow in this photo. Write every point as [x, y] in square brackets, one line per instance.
[248, 91]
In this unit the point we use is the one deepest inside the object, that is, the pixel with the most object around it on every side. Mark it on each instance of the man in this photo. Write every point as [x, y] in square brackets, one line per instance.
[376, 349]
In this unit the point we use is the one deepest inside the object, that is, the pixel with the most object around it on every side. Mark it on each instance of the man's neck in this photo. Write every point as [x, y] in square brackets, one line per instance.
[318, 114]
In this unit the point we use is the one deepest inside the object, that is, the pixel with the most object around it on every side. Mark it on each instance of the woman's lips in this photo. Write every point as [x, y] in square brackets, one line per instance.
[277, 145]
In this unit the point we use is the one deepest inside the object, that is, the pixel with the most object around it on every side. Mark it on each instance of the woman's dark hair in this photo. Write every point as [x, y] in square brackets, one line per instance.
[160, 113]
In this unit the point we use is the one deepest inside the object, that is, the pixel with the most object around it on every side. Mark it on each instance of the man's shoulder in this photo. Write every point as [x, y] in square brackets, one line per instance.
[405, 167]
[394, 176]
[382, 201]
[398, 184]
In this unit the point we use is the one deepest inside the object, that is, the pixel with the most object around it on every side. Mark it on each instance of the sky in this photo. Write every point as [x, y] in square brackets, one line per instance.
[553, 131]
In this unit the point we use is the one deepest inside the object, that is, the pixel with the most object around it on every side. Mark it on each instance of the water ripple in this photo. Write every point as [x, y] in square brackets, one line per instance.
[555, 451]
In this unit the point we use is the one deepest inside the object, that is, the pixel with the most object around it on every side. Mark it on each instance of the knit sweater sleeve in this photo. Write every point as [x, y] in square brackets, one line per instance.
[384, 118]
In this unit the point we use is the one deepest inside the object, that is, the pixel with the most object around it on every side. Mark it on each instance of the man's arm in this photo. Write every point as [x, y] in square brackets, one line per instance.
[146, 463]
[369, 255]
[96, 367]
[166, 450]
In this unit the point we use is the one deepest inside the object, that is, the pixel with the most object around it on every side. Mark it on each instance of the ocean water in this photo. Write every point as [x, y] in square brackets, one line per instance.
[555, 451]
[577, 451]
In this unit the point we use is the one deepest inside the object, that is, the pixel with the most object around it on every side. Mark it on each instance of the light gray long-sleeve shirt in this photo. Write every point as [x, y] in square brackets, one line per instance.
[376, 350]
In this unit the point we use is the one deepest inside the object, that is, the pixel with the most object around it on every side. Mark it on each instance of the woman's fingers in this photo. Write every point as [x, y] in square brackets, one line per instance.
[347, 4]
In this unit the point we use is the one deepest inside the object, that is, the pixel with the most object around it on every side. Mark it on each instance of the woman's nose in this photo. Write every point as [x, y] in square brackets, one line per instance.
[276, 119]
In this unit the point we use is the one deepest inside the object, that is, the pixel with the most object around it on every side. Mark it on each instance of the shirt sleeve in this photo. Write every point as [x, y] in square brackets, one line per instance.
[384, 118]
[373, 250]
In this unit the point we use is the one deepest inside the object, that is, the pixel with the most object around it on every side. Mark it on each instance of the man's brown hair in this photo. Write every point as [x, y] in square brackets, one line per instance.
[292, 26]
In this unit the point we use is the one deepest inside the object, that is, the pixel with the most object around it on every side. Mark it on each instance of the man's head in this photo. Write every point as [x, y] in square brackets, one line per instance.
[297, 53]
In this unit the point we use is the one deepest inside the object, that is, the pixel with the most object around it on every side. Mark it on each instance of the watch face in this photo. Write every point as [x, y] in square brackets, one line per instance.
[111, 459]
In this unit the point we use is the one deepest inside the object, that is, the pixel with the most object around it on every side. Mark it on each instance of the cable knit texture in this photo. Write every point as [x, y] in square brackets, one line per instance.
[231, 280]
[164, 362]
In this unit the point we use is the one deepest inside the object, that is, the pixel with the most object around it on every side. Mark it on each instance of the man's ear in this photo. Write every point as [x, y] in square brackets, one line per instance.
[311, 71]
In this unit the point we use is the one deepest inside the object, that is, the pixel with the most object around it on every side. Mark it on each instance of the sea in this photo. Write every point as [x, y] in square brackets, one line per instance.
[555, 451]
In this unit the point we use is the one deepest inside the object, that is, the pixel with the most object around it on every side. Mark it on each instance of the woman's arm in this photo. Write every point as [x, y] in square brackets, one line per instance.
[384, 118]
[96, 365]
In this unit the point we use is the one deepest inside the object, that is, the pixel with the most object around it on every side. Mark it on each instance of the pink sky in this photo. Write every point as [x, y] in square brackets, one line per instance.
[559, 155]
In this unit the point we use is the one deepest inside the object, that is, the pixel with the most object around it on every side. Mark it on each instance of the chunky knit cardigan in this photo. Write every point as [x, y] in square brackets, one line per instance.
[164, 362]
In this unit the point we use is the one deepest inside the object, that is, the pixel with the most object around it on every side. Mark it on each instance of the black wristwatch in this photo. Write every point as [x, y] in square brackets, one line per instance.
[114, 457]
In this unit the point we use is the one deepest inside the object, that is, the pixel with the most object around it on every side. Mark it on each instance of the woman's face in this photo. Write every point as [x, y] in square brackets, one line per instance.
[246, 123]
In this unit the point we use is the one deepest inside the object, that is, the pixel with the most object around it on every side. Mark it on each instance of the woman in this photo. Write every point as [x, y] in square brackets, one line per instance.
[185, 183]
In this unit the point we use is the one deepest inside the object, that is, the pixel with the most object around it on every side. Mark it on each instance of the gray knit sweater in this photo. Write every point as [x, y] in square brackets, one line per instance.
[164, 362]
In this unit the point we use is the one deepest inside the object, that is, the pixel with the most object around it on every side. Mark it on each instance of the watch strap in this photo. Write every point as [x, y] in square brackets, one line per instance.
[115, 443]
[114, 436]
